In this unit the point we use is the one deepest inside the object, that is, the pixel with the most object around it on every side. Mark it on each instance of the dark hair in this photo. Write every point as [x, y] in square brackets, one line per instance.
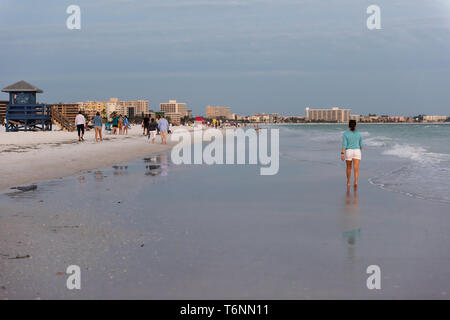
[352, 125]
[153, 120]
[79, 111]
[98, 113]
[159, 116]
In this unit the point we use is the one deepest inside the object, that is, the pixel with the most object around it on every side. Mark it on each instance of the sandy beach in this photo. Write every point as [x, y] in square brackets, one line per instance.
[29, 157]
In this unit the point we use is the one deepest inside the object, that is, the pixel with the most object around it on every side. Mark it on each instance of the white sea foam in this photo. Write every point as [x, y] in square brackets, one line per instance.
[378, 141]
[426, 176]
[416, 153]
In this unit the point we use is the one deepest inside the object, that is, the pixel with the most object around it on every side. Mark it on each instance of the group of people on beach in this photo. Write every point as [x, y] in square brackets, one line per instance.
[151, 128]
[121, 124]
[80, 122]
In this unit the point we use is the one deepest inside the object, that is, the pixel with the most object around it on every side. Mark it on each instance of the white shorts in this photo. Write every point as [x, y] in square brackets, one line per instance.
[152, 134]
[352, 154]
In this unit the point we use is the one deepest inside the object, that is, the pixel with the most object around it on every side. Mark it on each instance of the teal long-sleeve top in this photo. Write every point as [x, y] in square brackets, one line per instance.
[352, 140]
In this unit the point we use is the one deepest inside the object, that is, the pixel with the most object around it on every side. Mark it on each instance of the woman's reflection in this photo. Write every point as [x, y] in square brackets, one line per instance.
[350, 218]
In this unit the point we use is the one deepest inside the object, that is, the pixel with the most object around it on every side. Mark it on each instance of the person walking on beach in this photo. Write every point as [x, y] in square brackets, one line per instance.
[163, 127]
[125, 125]
[152, 126]
[145, 123]
[115, 123]
[351, 151]
[120, 124]
[98, 124]
[80, 122]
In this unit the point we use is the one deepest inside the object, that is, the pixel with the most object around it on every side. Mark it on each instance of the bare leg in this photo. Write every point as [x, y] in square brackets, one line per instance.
[96, 134]
[356, 170]
[100, 133]
[349, 171]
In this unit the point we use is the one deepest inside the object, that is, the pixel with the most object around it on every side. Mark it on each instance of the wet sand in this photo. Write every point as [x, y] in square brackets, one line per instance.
[30, 157]
[151, 230]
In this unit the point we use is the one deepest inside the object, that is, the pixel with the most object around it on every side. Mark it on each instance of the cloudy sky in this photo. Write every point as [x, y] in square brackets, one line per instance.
[251, 55]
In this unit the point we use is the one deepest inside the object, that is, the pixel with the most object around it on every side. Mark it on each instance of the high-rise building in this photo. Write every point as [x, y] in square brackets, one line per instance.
[217, 112]
[332, 115]
[174, 107]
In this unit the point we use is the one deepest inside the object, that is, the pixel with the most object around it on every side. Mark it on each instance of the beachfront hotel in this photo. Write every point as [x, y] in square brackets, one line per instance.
[332, 115]
[174, 107]
[174, 110]
[217, 112]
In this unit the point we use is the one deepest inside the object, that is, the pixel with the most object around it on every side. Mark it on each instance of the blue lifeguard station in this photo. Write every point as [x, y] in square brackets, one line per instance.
[22, 111]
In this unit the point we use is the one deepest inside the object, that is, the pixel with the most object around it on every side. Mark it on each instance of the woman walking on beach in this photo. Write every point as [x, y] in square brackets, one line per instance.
[98, 124]
[125, 125]
[351, 151]
[120, 124]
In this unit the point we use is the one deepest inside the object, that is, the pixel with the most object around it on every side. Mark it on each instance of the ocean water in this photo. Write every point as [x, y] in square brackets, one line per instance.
[413, 159]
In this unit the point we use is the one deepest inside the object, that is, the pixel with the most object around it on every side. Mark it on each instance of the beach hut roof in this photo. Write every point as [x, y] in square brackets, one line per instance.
[22, 86]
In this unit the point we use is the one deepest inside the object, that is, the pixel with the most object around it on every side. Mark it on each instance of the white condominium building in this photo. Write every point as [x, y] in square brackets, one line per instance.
[333, 115]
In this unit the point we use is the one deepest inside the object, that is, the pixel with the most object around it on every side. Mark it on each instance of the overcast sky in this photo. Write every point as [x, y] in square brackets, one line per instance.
[251, 55]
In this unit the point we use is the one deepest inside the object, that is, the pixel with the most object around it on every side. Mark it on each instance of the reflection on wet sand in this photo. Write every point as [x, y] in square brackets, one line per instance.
[350, 221]
[157, 165]
[164, 164]
[98, 176]
[81, 179]
[120, 170]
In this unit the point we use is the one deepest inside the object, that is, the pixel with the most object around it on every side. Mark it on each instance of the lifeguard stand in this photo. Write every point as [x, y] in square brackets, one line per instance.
[22, 111]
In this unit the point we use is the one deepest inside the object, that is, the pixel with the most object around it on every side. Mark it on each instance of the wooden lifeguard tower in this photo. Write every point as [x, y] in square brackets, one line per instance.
[22, 111]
